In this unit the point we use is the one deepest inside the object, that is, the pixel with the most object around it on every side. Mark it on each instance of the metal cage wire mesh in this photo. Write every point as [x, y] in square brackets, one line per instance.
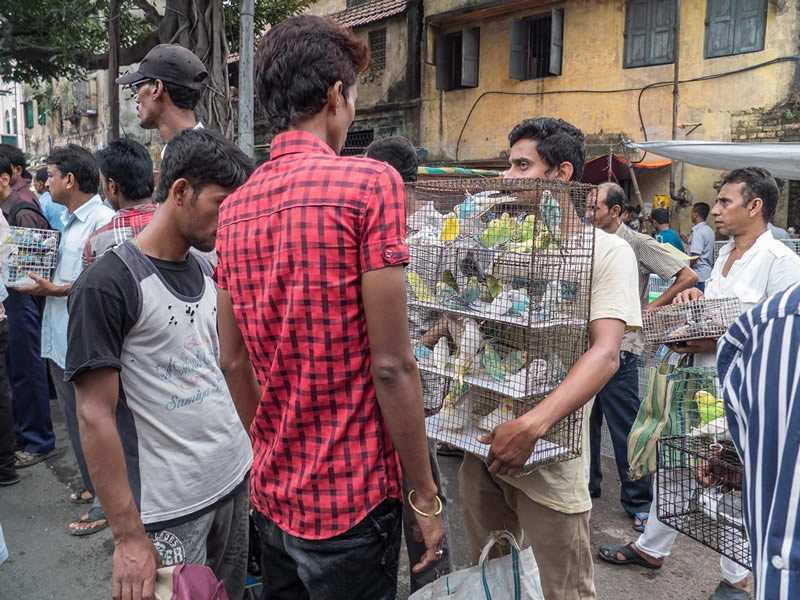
[498, 291]
[699, 475]
[32, 251]
[698, 319]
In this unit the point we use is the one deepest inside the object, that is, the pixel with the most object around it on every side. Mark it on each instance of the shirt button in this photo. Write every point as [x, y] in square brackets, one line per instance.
[388, 253]
[777, 562]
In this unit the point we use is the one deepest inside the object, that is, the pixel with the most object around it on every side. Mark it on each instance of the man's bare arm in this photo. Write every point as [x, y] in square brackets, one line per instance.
[685, 279]
[235, 362]
[135, 558]
[513, 441]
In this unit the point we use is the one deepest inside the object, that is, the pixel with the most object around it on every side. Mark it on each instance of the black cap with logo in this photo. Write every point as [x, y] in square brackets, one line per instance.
[171, 63]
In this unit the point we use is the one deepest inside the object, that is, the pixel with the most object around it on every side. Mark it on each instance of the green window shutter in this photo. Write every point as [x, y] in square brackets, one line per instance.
[556, 40]
[518, 58]
[42, 114]
[636, 27]
[719, 28]
[470, 54]
[662, 31]
[29, 115]
[444, 67]
[750, 26]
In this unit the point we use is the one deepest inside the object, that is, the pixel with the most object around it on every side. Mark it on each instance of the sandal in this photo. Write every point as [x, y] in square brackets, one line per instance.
[642, 518]
[443, 449]
[94, 515]
[725, 591]
[23, 459]
[79, 498]
[608, 552]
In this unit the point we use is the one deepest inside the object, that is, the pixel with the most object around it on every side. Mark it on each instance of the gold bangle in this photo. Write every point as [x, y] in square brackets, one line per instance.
[418, 511]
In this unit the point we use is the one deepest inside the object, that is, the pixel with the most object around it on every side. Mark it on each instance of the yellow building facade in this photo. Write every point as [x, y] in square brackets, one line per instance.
[594, 90]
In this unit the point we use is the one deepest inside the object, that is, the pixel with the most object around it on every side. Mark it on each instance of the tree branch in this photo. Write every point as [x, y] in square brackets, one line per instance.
[150, 13]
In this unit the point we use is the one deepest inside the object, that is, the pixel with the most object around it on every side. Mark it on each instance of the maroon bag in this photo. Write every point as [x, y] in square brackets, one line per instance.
[188, 582]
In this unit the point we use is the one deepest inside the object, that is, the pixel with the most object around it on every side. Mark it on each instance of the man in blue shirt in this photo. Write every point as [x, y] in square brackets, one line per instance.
[759, 369]
[73, 179]
[701, 244]
[664, 234]
[51, 211]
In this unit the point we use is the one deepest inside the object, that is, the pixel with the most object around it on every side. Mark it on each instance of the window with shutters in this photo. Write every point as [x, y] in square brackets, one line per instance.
[377, 48]
[735, 27]
[649, 32]
[28, 114]
[457, 58]
[536, 46]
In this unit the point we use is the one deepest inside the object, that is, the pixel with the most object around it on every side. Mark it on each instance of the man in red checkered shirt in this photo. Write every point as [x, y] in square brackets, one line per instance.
[126, 173]
[312, 250]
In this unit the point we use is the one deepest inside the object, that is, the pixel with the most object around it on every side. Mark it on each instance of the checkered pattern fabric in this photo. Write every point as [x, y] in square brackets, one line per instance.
[127, 223]
[293, 243]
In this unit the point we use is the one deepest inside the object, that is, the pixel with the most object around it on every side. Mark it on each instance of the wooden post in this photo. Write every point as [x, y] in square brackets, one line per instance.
[113, 70]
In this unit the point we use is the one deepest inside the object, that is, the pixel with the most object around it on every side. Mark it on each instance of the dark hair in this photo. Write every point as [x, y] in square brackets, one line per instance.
[298, 60]
[41, 175]
[558, 142]
[758, 183]
[182, 97]
[14, 155]
[202, 157]
[702, 209]
[398, 152]
[129, 164]
[660, 216]
[6, 166]
[615, 196]
[78, 161]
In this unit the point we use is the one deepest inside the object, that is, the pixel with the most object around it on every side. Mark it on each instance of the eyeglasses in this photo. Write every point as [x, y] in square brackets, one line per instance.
[133, 88]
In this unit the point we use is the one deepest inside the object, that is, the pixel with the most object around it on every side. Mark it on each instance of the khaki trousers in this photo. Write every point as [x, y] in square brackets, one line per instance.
[560, 541]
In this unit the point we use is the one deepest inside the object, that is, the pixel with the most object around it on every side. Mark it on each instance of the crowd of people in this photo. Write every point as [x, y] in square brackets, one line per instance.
[234, 341]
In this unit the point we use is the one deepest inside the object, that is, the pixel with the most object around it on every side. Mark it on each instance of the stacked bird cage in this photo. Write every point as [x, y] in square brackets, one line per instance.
[498, 290]
[31, 251]
[699, 476]
[698, 319]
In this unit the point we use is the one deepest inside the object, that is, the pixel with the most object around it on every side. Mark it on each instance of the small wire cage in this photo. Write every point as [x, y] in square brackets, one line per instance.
[699, 475]
[698, 319]
[32, 251]
[498, 291]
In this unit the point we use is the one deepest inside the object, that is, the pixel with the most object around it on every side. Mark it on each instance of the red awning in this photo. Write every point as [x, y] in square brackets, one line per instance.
[596, 170]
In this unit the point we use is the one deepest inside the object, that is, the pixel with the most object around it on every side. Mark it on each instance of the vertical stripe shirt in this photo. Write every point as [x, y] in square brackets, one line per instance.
[759, 366]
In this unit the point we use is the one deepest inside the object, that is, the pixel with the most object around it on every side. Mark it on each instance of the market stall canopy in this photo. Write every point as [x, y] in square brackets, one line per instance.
[596, 170]
[780, 159]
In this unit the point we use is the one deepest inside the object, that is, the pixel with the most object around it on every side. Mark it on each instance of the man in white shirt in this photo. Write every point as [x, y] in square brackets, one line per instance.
[750, 267]
[701, 243]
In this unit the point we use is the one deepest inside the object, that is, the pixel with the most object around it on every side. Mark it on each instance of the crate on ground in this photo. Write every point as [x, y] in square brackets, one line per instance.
[658, 286]
[32, 251]
[499, 284]
[698, 489]
[698, 319]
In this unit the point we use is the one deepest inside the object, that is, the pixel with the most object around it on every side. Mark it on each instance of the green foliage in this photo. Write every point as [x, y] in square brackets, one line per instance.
[267, 12]
[788, 115]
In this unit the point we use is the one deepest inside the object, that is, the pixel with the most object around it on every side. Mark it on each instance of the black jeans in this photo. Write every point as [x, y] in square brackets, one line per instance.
[7, 440]
[619, 402]
[359, 563]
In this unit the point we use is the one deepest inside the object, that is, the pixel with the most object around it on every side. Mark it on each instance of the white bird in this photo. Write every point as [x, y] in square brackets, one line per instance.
[441, 354]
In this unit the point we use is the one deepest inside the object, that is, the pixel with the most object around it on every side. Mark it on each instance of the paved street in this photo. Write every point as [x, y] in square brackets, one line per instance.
[47, 563]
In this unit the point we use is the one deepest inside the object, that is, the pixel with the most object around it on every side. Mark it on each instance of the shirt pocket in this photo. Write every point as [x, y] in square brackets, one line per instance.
[748, 292]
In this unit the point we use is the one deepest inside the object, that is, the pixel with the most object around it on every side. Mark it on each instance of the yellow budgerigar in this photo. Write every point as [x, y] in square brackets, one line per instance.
[420, 288]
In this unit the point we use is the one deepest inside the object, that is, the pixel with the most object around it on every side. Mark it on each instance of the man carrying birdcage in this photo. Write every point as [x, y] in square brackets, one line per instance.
[551, 504]
[750, 267]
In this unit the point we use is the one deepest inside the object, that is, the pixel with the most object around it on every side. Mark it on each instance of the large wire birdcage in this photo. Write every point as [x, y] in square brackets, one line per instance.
[698, 319]
[32, 251]
[498, 290]
[699, 475]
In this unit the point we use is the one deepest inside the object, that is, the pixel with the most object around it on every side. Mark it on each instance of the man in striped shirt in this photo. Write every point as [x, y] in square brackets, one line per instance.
[758, 361]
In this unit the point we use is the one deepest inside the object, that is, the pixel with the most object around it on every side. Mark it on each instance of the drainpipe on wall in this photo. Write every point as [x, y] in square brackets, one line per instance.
[675, 81]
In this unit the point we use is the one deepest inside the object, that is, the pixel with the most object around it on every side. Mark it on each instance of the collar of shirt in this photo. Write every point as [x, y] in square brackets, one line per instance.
[297, 142]
[139, 209]
[700, 225]
[761, 241]
[82, 212]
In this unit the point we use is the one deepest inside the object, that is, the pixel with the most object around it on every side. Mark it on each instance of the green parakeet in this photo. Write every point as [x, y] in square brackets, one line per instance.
[494, 285]
[708, 407]
[551, 213]
[528, 226]
[449, 279]
[472, 292]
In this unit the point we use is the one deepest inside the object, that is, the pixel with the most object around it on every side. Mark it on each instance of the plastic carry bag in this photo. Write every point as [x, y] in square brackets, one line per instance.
[188, 582]
[514, 576]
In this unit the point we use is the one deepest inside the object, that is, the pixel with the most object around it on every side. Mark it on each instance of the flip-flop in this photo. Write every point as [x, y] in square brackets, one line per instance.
[77, 497]
[24, 459]
[725, 591]
[608, 552]
[95, 514]
[642, 521]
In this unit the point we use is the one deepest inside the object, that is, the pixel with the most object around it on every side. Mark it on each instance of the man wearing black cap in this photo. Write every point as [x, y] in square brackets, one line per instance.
[167, 86]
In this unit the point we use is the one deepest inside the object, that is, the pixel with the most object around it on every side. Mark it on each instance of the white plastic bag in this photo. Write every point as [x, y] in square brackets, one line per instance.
[3, 548]
[511, 577]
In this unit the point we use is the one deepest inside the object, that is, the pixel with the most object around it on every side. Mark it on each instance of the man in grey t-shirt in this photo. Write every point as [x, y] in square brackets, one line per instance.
[701, 243]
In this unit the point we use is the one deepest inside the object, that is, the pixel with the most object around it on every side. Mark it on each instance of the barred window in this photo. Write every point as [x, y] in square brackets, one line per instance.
[377, 48]
[357, 142]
